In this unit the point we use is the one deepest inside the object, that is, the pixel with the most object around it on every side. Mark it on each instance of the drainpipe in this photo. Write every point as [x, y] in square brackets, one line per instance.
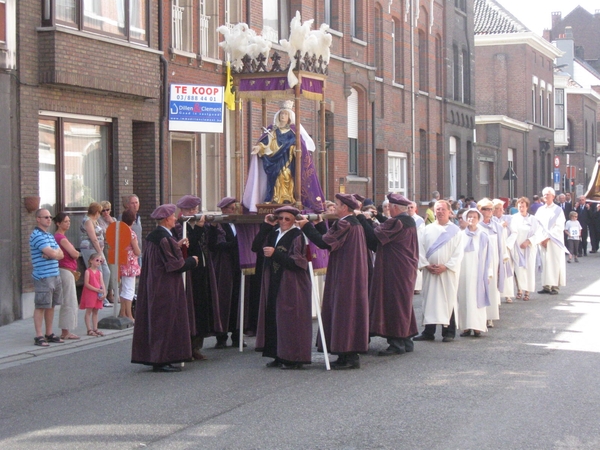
[164, 106]
[412, 99]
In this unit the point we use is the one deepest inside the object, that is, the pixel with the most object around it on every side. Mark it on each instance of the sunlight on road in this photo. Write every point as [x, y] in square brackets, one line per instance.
[583, 334]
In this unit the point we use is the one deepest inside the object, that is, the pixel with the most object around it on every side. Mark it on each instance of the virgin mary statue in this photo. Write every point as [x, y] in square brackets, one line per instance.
[273, 166]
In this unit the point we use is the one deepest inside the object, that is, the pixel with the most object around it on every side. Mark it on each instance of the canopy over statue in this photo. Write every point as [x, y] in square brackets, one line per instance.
[273, 166]
[281, 166]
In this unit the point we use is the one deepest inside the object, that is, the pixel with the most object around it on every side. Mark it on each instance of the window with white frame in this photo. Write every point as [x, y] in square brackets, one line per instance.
[397, 172]
[233, 11]
[276, 20]
[123, 19]
[182, 25]
[209, 20]
[353, 132]
[2, 21]
[452, 148]
[73, 157]
[559, 109]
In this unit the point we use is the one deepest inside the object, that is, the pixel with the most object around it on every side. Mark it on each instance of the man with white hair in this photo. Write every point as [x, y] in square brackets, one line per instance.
[552, 248]
[420, 223]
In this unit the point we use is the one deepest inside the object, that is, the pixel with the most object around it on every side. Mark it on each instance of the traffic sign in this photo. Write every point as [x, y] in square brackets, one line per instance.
[124, 241]
[556, 162]
[556, 176]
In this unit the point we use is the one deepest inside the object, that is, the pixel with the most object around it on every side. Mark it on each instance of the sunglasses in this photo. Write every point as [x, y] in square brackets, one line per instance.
[45, 217]
[98, 260]
[106, 210]
[486, 209]
[287, 219]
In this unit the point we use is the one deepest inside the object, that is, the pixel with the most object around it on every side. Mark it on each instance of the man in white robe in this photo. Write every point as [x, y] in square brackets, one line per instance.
[552, 248]
[494, 232]
[440, 254]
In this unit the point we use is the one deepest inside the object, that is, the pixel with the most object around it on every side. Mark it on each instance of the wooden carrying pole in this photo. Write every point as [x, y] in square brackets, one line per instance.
[298, 151]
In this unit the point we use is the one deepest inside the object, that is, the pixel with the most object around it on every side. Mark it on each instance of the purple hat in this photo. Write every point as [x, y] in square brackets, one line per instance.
[347, 200]
[226, 201]
[399, 199]
[288, 209]
[164, 211]
[188, 202]
[358, 197]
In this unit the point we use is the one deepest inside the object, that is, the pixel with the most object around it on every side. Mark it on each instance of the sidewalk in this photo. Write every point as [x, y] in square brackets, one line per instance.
[17, 338]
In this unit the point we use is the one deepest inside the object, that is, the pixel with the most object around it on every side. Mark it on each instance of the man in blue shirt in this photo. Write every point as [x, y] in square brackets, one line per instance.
[45, 254]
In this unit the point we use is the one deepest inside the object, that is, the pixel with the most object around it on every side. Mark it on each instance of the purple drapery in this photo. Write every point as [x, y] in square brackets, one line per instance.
[245, 234]
[280, 83]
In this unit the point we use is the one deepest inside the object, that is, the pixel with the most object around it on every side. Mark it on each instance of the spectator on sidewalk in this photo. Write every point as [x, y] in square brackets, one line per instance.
[45, 254]
[67, 318]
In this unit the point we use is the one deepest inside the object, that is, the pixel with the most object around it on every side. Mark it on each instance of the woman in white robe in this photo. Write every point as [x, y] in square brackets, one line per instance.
[509, 281]
[526, 234]
[475, 275]
[493, 229]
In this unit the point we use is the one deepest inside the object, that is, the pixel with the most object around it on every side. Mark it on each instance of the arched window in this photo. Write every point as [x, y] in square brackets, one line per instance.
[353, 132]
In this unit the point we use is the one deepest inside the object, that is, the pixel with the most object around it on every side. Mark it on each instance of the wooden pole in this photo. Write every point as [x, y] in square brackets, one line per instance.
[264, 112]
[238, 148]
[323, 159]
[298, 151]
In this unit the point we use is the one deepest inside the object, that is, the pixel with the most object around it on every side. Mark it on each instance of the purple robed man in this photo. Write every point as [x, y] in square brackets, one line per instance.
[161, 336]
[271, 174]
[284, 329]
[345, 310]
[223, 245]
[391, 313]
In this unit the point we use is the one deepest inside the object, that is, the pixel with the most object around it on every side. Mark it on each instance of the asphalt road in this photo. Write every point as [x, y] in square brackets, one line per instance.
[532, 383]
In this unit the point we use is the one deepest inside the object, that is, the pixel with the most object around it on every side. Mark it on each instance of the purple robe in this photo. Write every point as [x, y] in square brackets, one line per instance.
[391, 313]
[285, 315]
[162, 326]
[201, 284]
[345, 310]
[223, 245]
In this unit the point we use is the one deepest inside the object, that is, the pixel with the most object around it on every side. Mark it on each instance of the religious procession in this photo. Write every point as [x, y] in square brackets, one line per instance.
[257, 269]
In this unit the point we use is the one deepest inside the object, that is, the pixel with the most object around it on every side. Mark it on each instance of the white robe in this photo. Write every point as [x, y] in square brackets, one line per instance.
[521, 228]
[493, 311]
[440, 291]
[509, 282]
[470, 316]
[419, 281]
[554, 267]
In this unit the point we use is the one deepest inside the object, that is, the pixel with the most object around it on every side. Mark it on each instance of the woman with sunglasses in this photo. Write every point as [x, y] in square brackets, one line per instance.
[67, 320]
[104, 221]
[284, 330]
[92, 241]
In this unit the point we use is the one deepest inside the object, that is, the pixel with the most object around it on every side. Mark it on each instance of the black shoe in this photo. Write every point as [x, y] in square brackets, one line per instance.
[221, 344]
[477, 333]
[350, 362]
[274, 364]
[554, 292]
[391, 351]
[544, 291]
[296, 366]
[409, 345]
[237, 344]
[447, 339]
[465, 333]
[167, 368]
[424, 337]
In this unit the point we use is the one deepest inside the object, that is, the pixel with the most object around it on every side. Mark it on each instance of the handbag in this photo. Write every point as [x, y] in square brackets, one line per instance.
[76, 274]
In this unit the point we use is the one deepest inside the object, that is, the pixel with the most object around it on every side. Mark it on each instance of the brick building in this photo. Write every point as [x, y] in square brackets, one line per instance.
[585, 29]
[577, 102]
[87, 93]
[86, 103]
[515, 105]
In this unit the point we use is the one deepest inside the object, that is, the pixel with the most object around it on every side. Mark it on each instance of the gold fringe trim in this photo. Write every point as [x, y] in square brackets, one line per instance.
[249, 271]
[322, 271]
[312, 95]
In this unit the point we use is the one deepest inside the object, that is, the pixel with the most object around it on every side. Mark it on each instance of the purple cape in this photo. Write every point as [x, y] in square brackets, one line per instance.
[162, 325]
[391, 298]
[345, 310]
[285, 315]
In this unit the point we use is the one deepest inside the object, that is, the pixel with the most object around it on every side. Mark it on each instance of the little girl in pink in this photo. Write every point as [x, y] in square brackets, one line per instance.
[92, 296]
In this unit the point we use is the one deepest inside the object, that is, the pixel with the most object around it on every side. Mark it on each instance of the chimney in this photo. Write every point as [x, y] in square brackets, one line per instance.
[569, 32]
[579, 52]
[556, 18]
